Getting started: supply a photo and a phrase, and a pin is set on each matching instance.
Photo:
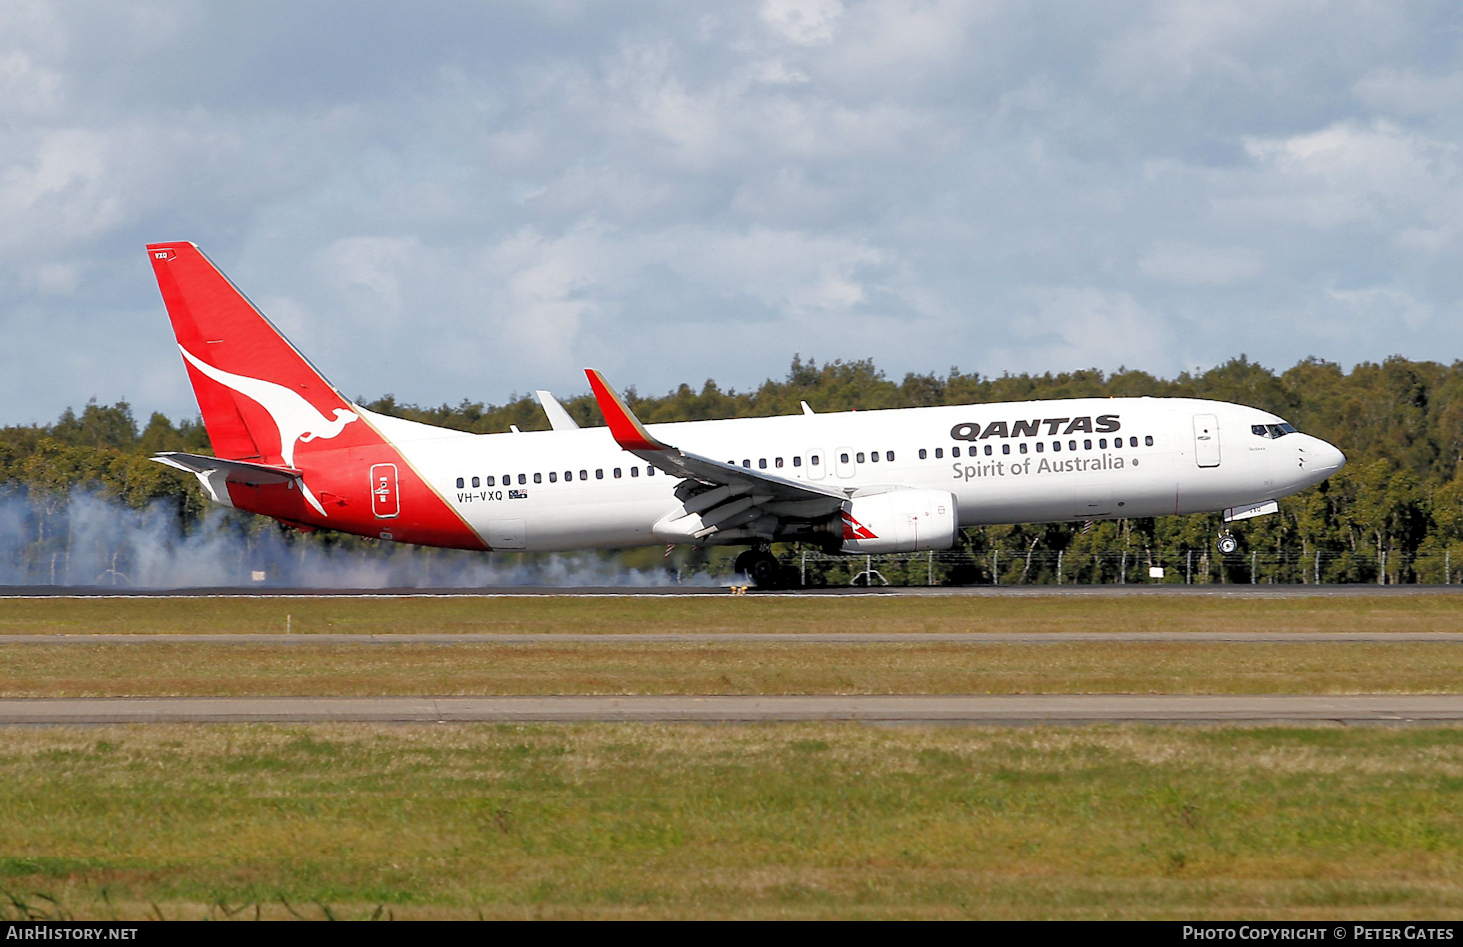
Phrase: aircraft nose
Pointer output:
(1323, 457)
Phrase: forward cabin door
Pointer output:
(1206, 440)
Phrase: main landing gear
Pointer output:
(760, 566)
(1227, 543)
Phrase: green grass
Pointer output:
(813, 820)
(769, 821)
(163, 670)
(601, 614)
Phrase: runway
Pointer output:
(831, 638)
(1057, 709)
(977, 591)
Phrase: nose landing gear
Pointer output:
(1227, 543)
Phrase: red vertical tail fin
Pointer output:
(259, 396)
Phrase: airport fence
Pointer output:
(1182, 566)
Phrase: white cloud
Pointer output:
(1378, 307)
(1068, 328)
(805, 22)
(468, 201)
(1350, 172)
(1193, 265)
(1408, 92)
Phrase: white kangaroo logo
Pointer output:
(294, 417)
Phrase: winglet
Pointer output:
(629, 433)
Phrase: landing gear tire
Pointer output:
(760, 567)
(1227, 543)
(764, 570)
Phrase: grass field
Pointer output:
(805, 820)
(696, 821)
(719, 668)
(894, 614)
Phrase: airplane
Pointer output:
(289, 445)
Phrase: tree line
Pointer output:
(1393, 514)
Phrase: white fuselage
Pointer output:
(1131, 457)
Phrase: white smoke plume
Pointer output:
(87, 539)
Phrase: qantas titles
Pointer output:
(1106, 424)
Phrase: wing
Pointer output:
(734, 503)
(631, 435)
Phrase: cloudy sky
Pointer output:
(449, 200)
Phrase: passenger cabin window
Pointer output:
(874, 456)
(922, 455)
(1071, 445)
(777, 462)
(889, 456)
(492, 480)
(583, 475)
(1102, 443)
(650, 471)
(761, 463)
(617, 473)
(814, 460)
(599, 474)
(797, 461)
(475, 481)
(746, 463)
(538, 478)
(1132, 442)
(634, 471)
(859, 457)
(1005, 448)
(568, 476)
(553, 477)
(843, 458)
(1148, 441)
(1087, 444)
(1038, 446)
(954, 452)
(988, 450)
(1023, 447)
(939, 453)
(460, 484)
(523, 478)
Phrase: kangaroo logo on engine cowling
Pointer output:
(1105, 424)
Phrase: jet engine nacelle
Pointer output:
(900, 521)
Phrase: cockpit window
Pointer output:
(1271, 430)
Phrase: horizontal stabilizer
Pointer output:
(559, 419)
(234, 471)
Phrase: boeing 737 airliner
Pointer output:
(290, 446)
